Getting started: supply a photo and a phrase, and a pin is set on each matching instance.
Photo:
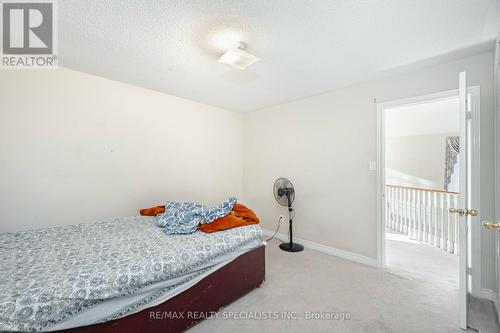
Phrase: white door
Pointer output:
(465, 211)
(494, 224)
(497, 171)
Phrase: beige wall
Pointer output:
(323, 144)
(79, 148)
(421, 156)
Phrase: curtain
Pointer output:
(452, 151)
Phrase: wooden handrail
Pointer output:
(422, 189)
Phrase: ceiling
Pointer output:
(436, 117)
(307, 47)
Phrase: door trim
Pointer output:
(496, 73)
(475, 282)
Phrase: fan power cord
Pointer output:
(277, 228)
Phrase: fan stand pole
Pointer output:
(291, 246)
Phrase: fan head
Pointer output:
(283, 191)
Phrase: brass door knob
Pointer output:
(471, 212)
(490, 225)
(462, 212)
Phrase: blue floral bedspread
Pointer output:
(184, 217)
(50, 275)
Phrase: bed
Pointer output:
(123, 275)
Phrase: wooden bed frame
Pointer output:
(208, 296)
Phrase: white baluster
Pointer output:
(393, 211)
(400, 206)
(424, 214)
(405, 211)
(435, 240)
(396, 215)
(414, 213)
(441, 219)
(446, 206)
(393, 215)
(430, 226)
(386, 203)
(449, 247)
(408, 211)
(432, 221)
(425, 230)
(427, 217)
(391, 224)
(400, 209)
(396, 208)
(421, 215)
(389, 207)
(457, 220)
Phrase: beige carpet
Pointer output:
(399, 299)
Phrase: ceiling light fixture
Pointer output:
(237, 58)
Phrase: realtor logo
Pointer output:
(29, 36)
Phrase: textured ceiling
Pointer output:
(307, 47)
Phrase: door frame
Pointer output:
(475, 234)
(496, 73)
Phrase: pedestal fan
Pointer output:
(285, 194)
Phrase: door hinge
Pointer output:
(469, 270)
(468, 103)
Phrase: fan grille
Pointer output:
(283, 184)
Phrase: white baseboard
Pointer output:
(327, 249)
(488, 294)
(497, 307)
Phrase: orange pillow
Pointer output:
(240, 216)
(153, 211)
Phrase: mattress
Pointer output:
(64, 277)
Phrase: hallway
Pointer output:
(412, 259)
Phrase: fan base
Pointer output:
(294, 247)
